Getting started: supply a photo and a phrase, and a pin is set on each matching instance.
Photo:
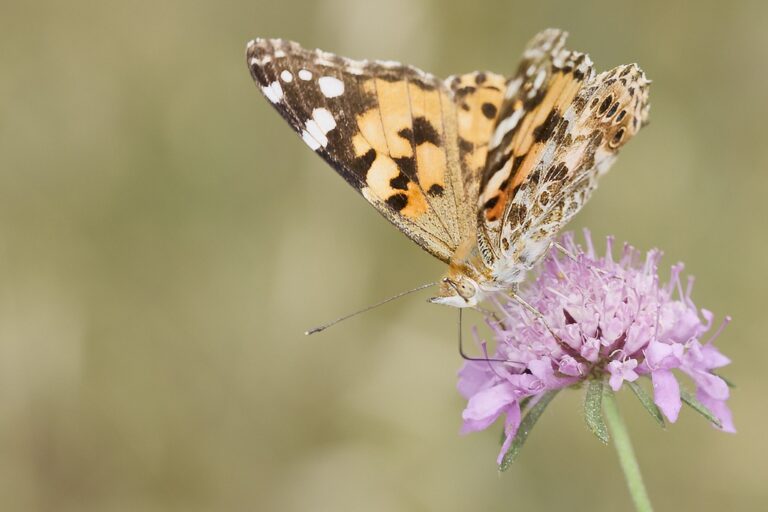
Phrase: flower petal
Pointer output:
(720, 409)
(486, 406)
(663, 356)
(712, 358)
(666, 393)
(473, 377)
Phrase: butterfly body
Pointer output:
(479, 170)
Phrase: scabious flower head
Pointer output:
(600, 318)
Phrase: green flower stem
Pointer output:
(626, 455)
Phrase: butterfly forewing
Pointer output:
(390, 130)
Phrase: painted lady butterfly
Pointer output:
(480, 170)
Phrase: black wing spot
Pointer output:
(469, 89)
(362, 163)
(612, 111)
(435, 190)
(406, 164)
(480, 78)
(605, 104)
(491, 202)
(406, 133)
(616, 140)
(620, 116)
(399, 182)
(423, 131)
(517, 162)
(398, 201)
(489, 110)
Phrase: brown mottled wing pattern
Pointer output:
(390, 130)
(563, 153)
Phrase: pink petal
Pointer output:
(486, 406)
(666, 393)
(712, 385)
(663, 356)
(712, 357)
(720, 409)
(473, 377)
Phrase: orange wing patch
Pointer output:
(405, 129)
(478, 96)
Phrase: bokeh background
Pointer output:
(165, 239)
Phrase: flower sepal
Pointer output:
(514, 443)
(593, 409)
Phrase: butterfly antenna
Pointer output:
(373, 306)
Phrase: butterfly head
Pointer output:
(458, 290)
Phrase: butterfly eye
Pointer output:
(617, 138)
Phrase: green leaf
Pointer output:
(647, 402)
(699, 407)
(593, 410)
(728, 382)
(526, 425)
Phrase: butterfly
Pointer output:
(480, 170)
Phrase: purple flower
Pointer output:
(599, 318)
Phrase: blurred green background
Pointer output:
(165, 239)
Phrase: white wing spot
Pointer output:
(310, 141)
(273, 92)
(316, 133)
(317, 128)
(286, 75)
(513, 87)
(305, 74)
(330, 86)
(505, 126)
(324, 119)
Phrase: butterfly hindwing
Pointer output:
(547, 81)
(580, 145)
